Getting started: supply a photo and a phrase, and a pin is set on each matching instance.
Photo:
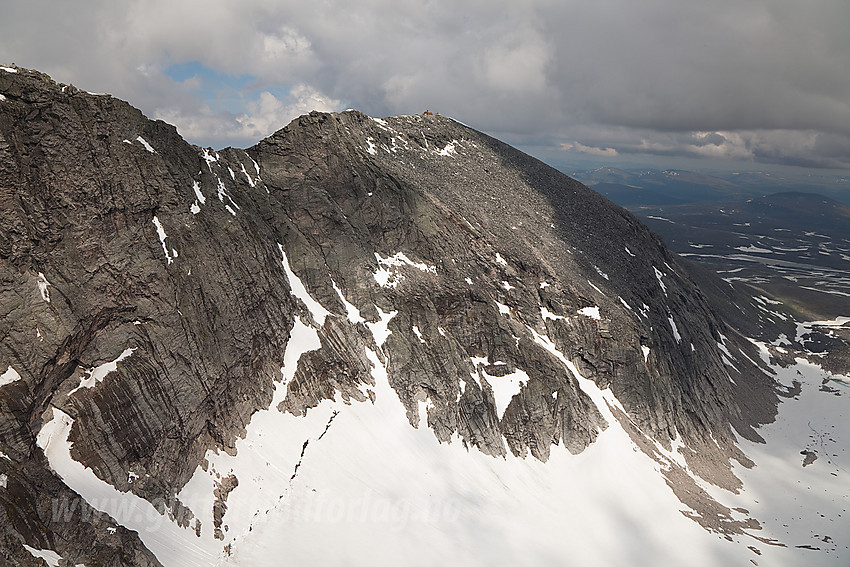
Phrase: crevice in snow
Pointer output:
(328, 426)
(300, 458)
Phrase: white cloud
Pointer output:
(286, 41)
(516, 64)
(264, 116)
(658, 71)
(269, 113)
(808, 148)
(592, 150)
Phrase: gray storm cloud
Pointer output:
(765, 80)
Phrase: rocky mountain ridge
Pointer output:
(151, 290)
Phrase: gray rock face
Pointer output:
(117, 235)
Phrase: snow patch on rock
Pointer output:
(592, 312)
(10, 376)
(97, 374)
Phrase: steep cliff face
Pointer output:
(498, 251)
(151, 291)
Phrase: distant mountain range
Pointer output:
(653, 187)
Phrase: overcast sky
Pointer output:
(725, 81)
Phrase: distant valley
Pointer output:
(783, 239)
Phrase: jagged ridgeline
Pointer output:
(153, 291)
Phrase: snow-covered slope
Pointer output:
(353, 483)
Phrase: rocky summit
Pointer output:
(361, 336)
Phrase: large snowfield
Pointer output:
(355, 484)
